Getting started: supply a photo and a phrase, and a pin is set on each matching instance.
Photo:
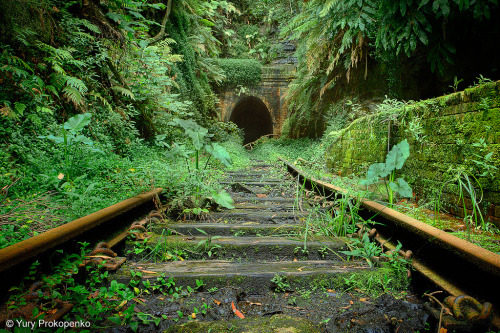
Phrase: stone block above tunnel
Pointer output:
(253, 116)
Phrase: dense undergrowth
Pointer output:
(130, 79)
(378, 183)
(132, 69)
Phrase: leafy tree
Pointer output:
(336, 38)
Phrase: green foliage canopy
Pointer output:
(336, 38)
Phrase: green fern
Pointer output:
(58, 80)
(103, 100)
(73, 95)
(76, 83)
(124, 92)
(88, 25)
(328, 6)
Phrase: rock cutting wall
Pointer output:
(446, 134)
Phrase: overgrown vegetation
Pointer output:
(245, 72)
(91, 100)
(98, 303)
(341, 43)
(102, 100)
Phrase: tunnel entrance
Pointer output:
(252, 115)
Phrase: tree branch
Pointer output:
(161, 34)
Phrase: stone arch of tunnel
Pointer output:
(253, 116)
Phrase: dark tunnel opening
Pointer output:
(252, 115)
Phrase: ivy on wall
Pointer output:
(246, 72)
(192, 83)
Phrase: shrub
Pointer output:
(240, 71)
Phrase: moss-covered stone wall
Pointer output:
(446, 134)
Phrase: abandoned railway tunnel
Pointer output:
(261, 109)
(252, 115)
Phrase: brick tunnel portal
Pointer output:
(252, 115)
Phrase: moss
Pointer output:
(276, 324)
(450, 126)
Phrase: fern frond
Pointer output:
(167, 41)
(175, 58)
(124, 92)
(52, 89)
(328, 85)
(24, 35)
(63, 54)
(73, 95)
(328, 6)
(92, 27)
(76, 83)
(57, 80)
(56, 66)
(103, 100)
(15, 71)
(82, 35)
(78, 63)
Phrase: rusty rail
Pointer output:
(454, 264)
(20, 252)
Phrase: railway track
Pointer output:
(258, 261)
(454, 265)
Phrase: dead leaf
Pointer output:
(330, 290)
(139, 300)
(216, 301)
(121, 305)
(259, 195)
(364, 299)
(300, 268)
(94, 294)
(102, 257)
(351, 302)
(60, 176)
(443, 330)
(148, 272)
(237, 312)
